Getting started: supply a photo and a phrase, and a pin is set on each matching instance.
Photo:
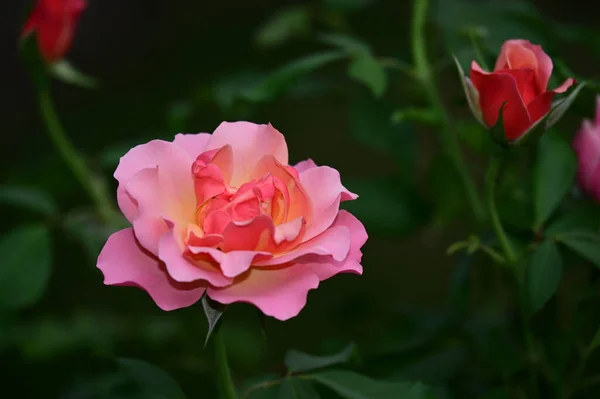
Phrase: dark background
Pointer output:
(161, 67)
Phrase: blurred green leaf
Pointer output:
(543, 274)
(280, 80)
(436, 367)
(213, 311)
(441, 181)
(493, 22)
(350, 44)
(370, 125)
(91, 232)
(351, 385)
(475, 136)
(387, 206)
(66, 72)
(585, 244)
(295, 388)
(595, 342)
(26, 266)
(365, 69)
(150, 379)
(554, 171)
(560, 108)
(347, 5)
(581, 217)
(285, 24)
(426, 116)
(297, 361)
(178, 115)
(30, 198)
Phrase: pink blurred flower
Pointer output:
(54, 23)
(587, 147)
(225, 214)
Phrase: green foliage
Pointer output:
(543, 274)
(26, 266)
(553, 175)
(297, 361)
(351, 385)
(296, 388)
(585, 244)
(29, 198)
(152, 381)
(213, 312)
(366, 69)
(286, 24)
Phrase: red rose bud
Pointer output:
(516, 89)
(54, 22)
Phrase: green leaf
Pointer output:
(30, 198)
(89, 230)
(581, 217)
(585, 244)
(286, 24)
(365, 69)
(387, 206)
(543, 274)
(151, 379)
(370, 124)
(64, 71)
(213, 311)
(351, 385)
(26, 266)
(470, 93)
(555, 169)
(562, 106)
(297, 361)
(280, 80)
(295, 388)
(347, 5)
(344, 42)
(595, 342)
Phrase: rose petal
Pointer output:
(277, 292)
(124, 262)
(174, 164)
(324, 190)
(494, 90)
(184, 269)
(249, 142)
(544, 70)
(304, 165)
(193, 144)
(334, 242)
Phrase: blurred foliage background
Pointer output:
(335, 77)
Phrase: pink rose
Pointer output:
(587, 147)
(224, 214)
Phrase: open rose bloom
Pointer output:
(520, 82)
(224, 214)
(587, 147)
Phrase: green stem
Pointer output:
(490, 182)
(449, 140)
(93, 186)
(224, 380)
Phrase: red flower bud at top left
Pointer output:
(54, 22)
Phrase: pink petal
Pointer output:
(277, 292)
(249, 142)
(587, 146)
(185, 269)
(233, 263)
(124, 262)
(173, 162)
(544, 69)
(324, 190)
(326, 267)
(565, 86)
(303, 165)
(597, 119)
(334, 242)
(193, 144)
(288, 231)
